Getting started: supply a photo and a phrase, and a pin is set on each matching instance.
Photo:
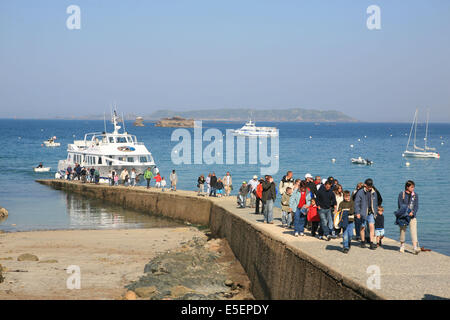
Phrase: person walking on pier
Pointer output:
(366, 204)
(326, 201)
(286, 210)
(227, 183)
(133, 177)
(408, 202)
(91, 173)
(347, 207)
(213, 183)
(148, 175)
(379, 225)
(163, 184)
(173, 181)
(268, 198)
(258, 193)
(208, 183)
(68, 172)
(252, 188)
(201, 185)
(302, 209)
(158, 180)
(242, 196)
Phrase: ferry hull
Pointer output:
(427, 155)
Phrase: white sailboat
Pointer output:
(417, 152)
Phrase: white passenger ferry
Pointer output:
(108, 151)
(251, 130)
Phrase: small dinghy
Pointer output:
(51, 142)
(360, 160)
(42, 169)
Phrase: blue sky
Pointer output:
(181, 55)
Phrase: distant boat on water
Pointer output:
(418, 152)
(251, 130)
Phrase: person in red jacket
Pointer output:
(259, 190)
(158, 180)
(313, 217)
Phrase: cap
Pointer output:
(255, 177)
(244, 182)
(308, 175)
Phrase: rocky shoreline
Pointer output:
(199, 270)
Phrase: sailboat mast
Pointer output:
(415, 131)
(410, 132)
(426, 130)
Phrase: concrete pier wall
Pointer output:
(276, 269)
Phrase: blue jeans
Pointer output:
(299, 220)
(268, 211)
(213, 190)
(286, 218)
(325, 218)
(348, 234)
(357, 226)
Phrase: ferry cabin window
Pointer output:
(121, 140)
(130, 159)
(111, 139)
(99, 160)
(143, 159)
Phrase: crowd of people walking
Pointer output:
(323, 207)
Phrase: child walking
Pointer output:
(379, 225)
(348, 217)
(313, 217)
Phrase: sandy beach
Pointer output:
(108, 260)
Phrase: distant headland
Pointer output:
(239, 115)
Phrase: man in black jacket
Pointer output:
(326, 201)
(268, 198)
(213, 184)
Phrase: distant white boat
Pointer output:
(417, 152)
(361, 160)
(42, 169)
(51, 142)
(251, 130)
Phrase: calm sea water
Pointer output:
(33, 206)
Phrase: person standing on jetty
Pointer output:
(268, 197)
(325, 203)
(228, 184)
(286, 210)
(68, 172)
(148, 175)
(173, 181)
(302, 209)
(201, 185)
(366, 204)
(92, 172)
(213, 183)
(259, 192)
(133, 177)
(379, 225)
(408, 203)
(158, 180)
(163, 184)
(252, 188)
(242, 196)
(208, 183)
